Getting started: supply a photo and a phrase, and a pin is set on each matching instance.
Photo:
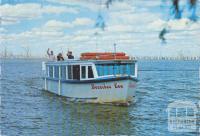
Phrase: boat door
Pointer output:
(86, 72)
(76, 72)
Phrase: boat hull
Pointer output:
(120, 92)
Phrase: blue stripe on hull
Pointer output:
(94, 80)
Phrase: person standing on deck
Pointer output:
(60, 57)
(50, 54)
(69, 55)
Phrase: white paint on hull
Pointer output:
(119, 92)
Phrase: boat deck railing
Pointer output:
(89, 61)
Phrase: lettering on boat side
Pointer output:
(118, 85)
(101, 86)
(104, 86)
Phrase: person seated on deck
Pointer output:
(69, 55)
(60, 57)
(50, 54)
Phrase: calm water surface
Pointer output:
(26, 110)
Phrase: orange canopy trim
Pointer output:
(102, 53)
(104, 56)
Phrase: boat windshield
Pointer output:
(70, 72)
(115, 69)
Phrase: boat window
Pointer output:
(101, 73)
(124, 69)
(83, 72)
(128, 69)
(116, 69)
(63, 72)
(98, 67)
(47, 71)
(56, 71)
(90, 72)
(51, 71)
(105, 70)
(132, 69)
(76, 72)
(110, 69)
(69, 67)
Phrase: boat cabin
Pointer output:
(87, 70)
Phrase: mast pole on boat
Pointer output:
(96, 33)
(115, 49)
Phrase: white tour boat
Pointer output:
(94, 78)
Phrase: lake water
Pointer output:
(27, 110)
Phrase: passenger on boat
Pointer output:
(60, 57)
(69, 55)
(50, 54)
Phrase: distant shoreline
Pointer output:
(137, 58)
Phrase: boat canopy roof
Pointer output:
(73, 61)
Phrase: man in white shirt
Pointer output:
(50, 54)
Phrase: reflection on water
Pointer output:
(89, 119)
(27, 110)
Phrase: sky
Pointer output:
(62, 25)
